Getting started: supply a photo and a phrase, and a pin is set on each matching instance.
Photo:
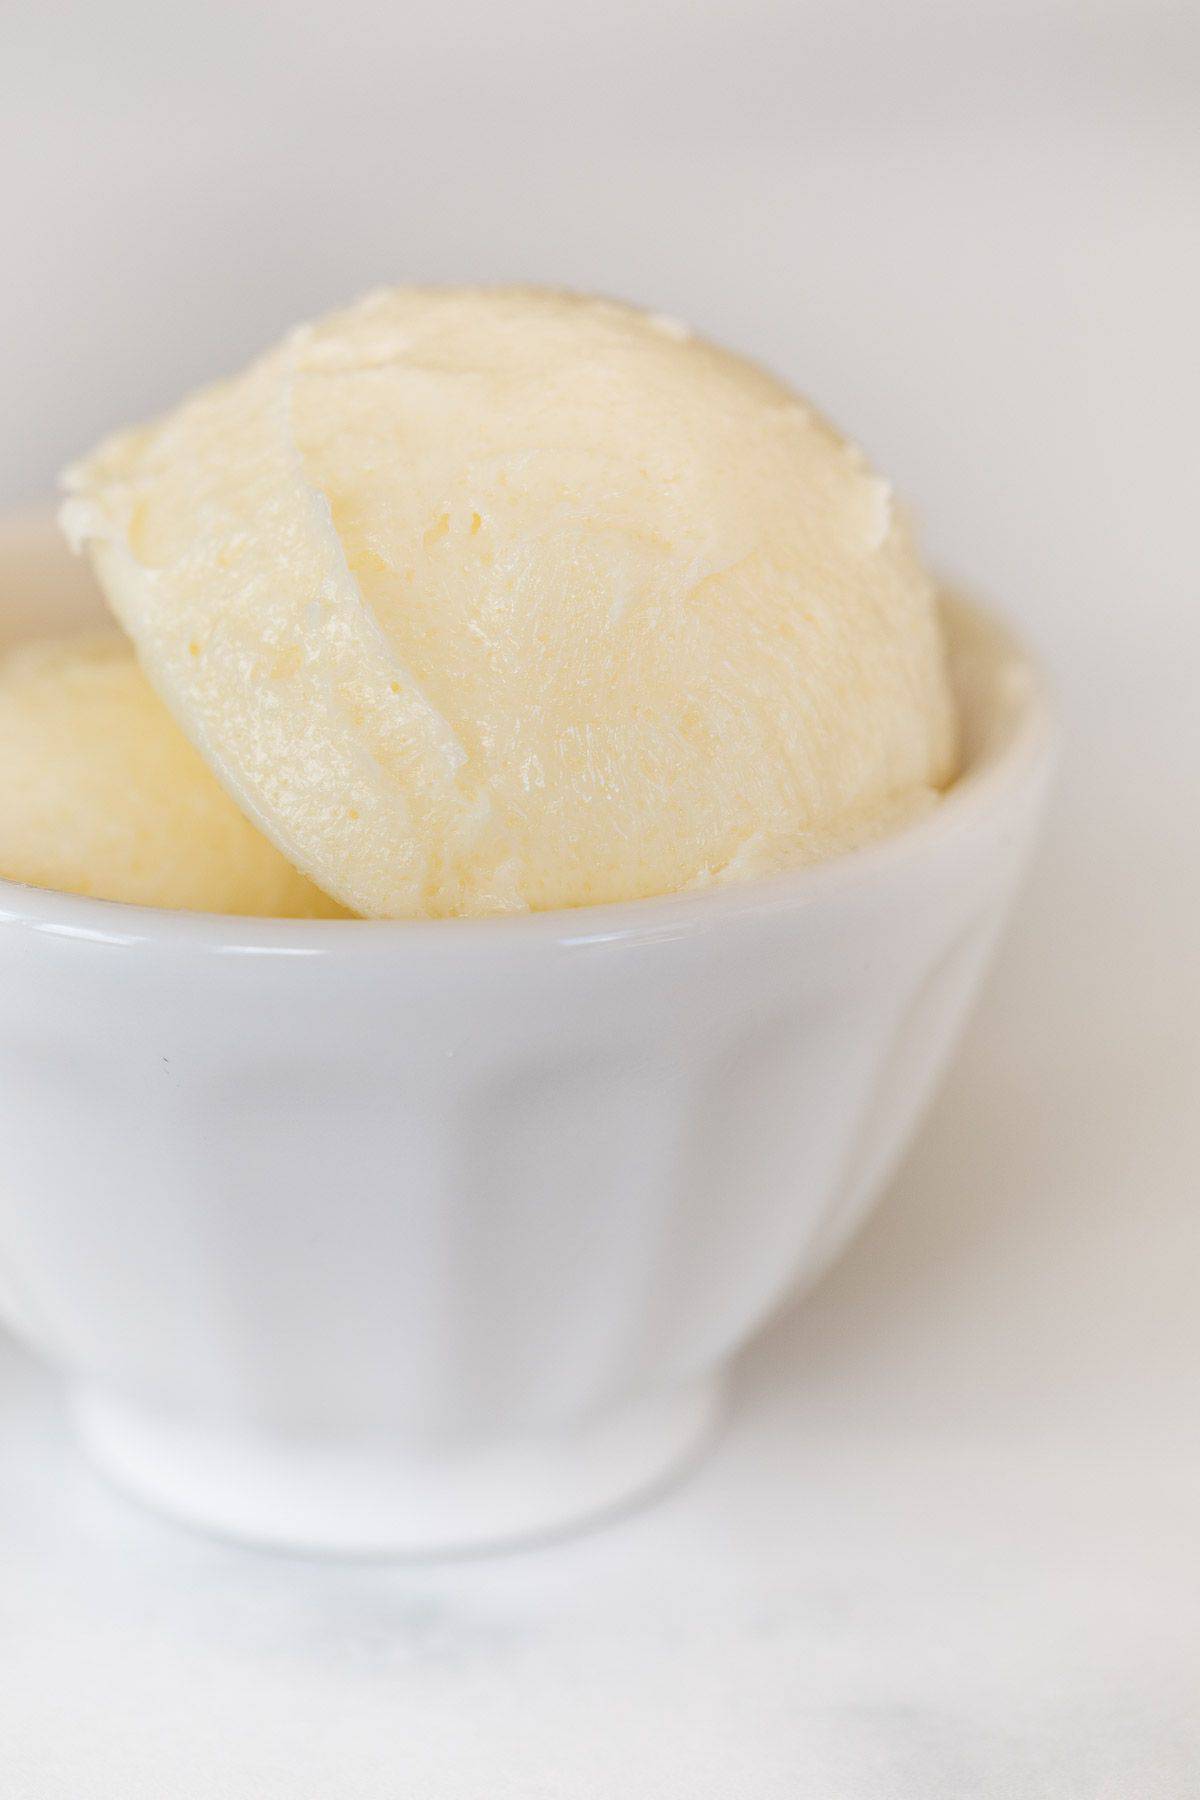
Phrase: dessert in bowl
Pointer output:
(421, 1232)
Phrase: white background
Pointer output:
(950, 1546)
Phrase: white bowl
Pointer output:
(423, 1236)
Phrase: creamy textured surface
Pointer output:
(103, 795)
(484, 600)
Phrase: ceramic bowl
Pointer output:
(415, 1237)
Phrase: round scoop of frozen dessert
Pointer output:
(103, 795)
(485, 600)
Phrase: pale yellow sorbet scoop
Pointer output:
(103, 795)
(484, 600)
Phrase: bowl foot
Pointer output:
(385, 1498)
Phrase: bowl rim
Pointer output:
(996, 776)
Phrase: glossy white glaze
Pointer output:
(450, 1209)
